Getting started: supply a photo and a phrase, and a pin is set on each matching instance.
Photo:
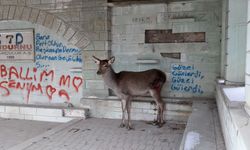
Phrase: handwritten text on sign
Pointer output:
(48, 49)
(185, 78)
(17, 45)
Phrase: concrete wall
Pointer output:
(176, 110)
(90, 27)
(236, 41)
(128, 44)
(79, 25)
(247, 72)
(51, 53)
(234, 122)
(224, 32)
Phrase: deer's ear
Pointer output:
(96, 60)
(112, 60)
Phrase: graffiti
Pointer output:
(41, 65)
(30, 80)
(142, 20)
(185, 78)
(48, 49)
(59, 58)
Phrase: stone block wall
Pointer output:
(129, 25)
(82, 24)
(49, 114)
(94, 28)
(176, 110)
(102, 31)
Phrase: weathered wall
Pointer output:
(194, 74)
(236, 42)
(92, 28)
(61, 84)
(77, 29)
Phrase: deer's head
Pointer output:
(104, 65)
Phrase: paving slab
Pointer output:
(105, 134)
(15, 131)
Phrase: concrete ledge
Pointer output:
(231, 104)
(143, 108)
(42, 113)
(177, 100)
(234, 122)
(201, 131)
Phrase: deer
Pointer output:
(128, 84)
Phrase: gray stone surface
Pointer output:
(14, 131)
(235, 123)
(104, 134)
(142, 108)
(203, 130)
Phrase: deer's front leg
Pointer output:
(128, 106)
(123, 103)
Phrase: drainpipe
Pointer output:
(247, 76)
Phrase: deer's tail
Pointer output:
(159, 81)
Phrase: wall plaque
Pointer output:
(166, 36)
(17, 45)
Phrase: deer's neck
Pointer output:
(110, 78)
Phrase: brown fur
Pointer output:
(127, 84)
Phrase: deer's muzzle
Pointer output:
(98, 72)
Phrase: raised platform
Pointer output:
(143, 108)
(203, 129)
(234, 120)
(42, 113)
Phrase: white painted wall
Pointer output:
(247, 70)
(128, 43)
(236, 42)
(52, 53)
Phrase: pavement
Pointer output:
(203, 129)
(14, 132)
(202, 132)
(105, 134)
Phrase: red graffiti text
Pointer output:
(30, 80)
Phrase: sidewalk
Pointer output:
(15, 131)
(105, 134)
(203, 131)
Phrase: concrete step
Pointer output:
(42, 113)
(203, 131)
(143, 108)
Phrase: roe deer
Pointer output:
(127, 84)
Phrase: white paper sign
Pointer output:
(17, 45)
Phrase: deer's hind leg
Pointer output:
(156, 94)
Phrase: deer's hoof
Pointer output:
(160, 124)
(122, 125)
(155, 123)
(130, 128)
